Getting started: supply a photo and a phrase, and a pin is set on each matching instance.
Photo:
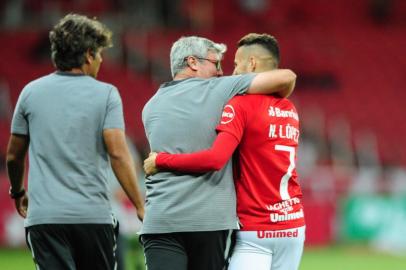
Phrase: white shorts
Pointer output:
(268, 250)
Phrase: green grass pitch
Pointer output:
(331, 258)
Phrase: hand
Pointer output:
(21, 205)
(140, 213)
(150, 165)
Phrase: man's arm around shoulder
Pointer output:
(278, 81)
(123, 167)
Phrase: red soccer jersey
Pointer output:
(268, 192)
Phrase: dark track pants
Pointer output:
(73, 246)
(187, 250)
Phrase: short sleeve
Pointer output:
(229, 86)
(114, 111)
(19, 123)
(233, 118)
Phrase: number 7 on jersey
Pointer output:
(283, 189)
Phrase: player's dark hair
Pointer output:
(268, 42)
(73, 36)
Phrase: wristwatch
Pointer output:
(16, 195)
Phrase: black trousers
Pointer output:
(73, 246)
(187, 250)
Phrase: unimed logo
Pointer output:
(278, 234)
(228, 114)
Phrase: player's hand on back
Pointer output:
(150, 165)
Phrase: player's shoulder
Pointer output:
(108, 89)
(238, 101)
(102, 84)
(36, 84)
(238, 98)
(256, 102)
(283, 102)
(245, 103)
(39, 81)
(248, 99)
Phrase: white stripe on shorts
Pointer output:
(228, 244)
(32, 250)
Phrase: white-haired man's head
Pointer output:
(202, 49)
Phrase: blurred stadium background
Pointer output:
(350, 59)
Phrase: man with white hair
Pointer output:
(189, 217)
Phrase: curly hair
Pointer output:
(268, 42)
(73, 36)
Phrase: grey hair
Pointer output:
(192, 45)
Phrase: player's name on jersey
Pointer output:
(278, 234)
(275, 111)
(275, 217)
(283, 204)
(284, 132)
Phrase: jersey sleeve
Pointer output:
(212, 159)
(114, 111)
(19, 123)
(234, 118)
(229, 86)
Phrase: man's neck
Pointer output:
(179, 77)
(76, 71)
(185, 74)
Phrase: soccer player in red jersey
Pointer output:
(266, 131)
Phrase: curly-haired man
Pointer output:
(73, 126)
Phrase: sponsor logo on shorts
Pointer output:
(228, 114)
(278, 234)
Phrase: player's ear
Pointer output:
(252, 64)
(192, 63)
(88, 57)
